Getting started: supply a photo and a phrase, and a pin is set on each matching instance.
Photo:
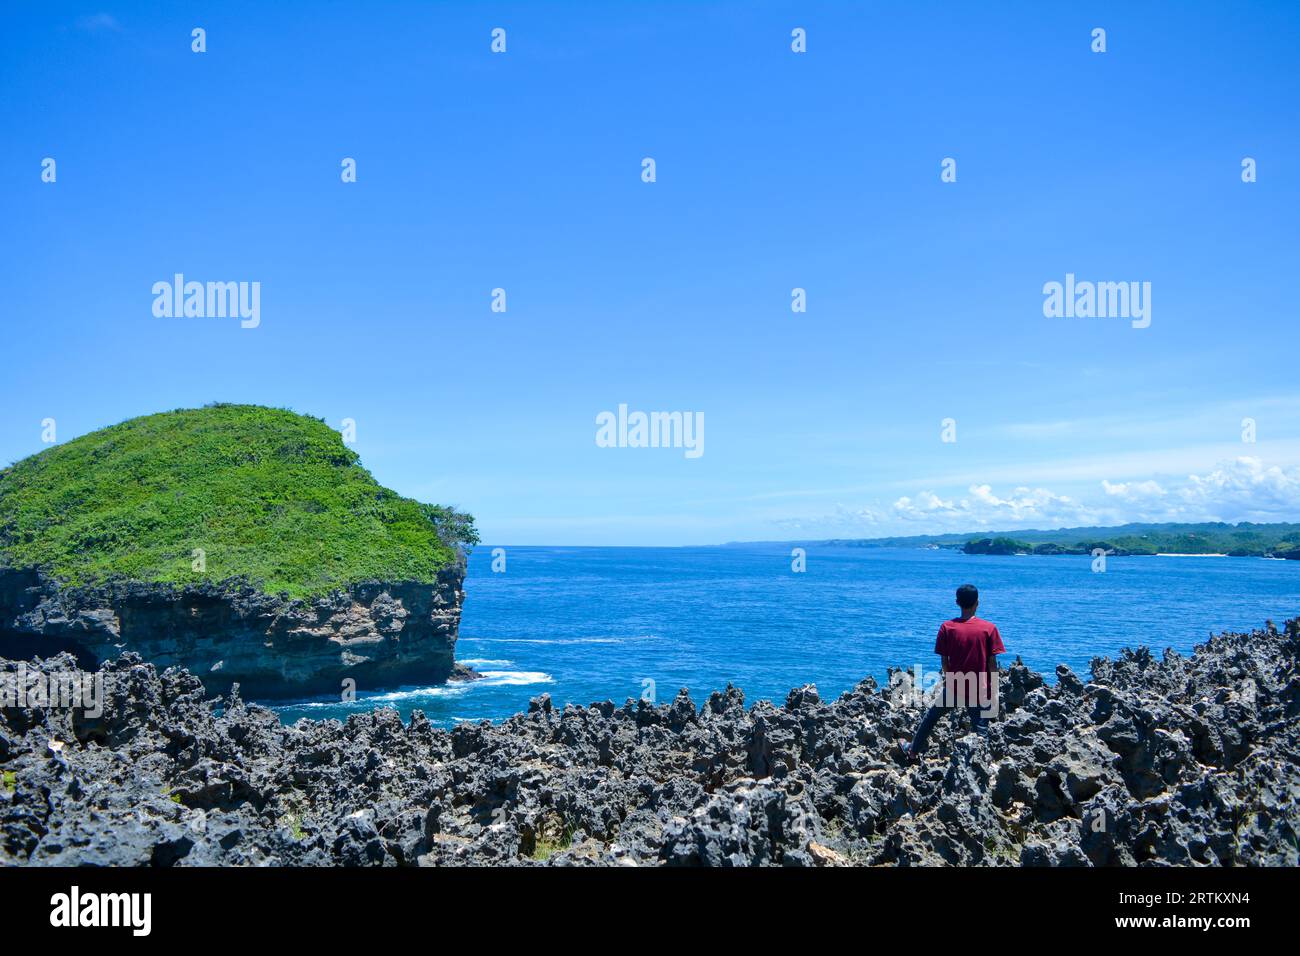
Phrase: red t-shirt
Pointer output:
(967, 644)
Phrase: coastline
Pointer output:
(1149, 761)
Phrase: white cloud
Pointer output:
(926, 505)
(1242, 489)
(97, 22)
(1245, 487)
(1133, 491)
(1097, 467)
(985, 508)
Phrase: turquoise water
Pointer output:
(590, 624)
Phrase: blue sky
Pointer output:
(775, 170)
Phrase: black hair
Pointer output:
(968, 596)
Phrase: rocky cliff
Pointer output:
(246, 544)
(273, 646)
(1154, 760)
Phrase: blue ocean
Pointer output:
(593, 624)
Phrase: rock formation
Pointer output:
(1154, 760)
(246, 544)
(377, 634)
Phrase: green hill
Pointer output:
(266, 494)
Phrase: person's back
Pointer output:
(969, 647)
(967, 643)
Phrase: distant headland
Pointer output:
(1243, 540)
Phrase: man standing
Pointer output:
(969, 647)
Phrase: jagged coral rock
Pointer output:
(1176, 760)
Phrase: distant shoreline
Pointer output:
(1214, 539)
(1244, 539)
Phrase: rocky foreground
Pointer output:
(1182, 761)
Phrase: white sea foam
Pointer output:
(482, 662)
(409, 693)
(368, 701)
(499, 678)
(559, 640)
(457, 689)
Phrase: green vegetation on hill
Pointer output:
(1243, 540)
(262, 493)
(997, 546)
(1246, 539)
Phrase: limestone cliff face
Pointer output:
(378, 634)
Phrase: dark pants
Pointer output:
(978, 722)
